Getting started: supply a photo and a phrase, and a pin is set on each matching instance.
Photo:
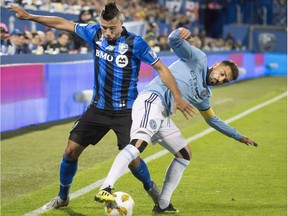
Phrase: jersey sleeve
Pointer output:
(144, 52)
(216, 123)
(86, 31)
(222, 127)
(183, 49)
(203, 105)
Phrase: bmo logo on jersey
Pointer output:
(121, 61)
(103, 55)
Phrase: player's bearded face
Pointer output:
(219, 75)
(111, 29)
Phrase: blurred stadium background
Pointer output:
(41, 88)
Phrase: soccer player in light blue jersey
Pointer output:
(154, 105)
(117, 55)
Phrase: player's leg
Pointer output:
(81, 135)
(172, 179)
(139, 168)
(141, 133)
(121, 162)
(141, 172)
(147, 120)
(121, 125)
(170, 138)
(68, 169)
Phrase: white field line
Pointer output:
(98, 183)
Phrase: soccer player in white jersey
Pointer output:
(151, 110)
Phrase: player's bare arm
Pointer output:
(208, 114)
(51, 21)
(168, 79)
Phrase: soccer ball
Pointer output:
(122, 206)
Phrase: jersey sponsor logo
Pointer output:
(122, 61)
(105, 56)
(194, 85)
(153, 124)
(123, 48)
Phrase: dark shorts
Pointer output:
(95, 123)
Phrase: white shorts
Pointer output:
(151, 123)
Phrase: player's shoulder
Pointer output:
(132, 35)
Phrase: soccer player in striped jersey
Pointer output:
(117, 55)
(151, 110)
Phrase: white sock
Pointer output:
(120, 163)
(172, 178)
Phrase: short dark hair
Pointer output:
(110, 11)
(233, 67)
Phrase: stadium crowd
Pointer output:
(160, 22)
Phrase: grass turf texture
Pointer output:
(224, 178)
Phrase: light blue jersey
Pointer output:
(190, 72)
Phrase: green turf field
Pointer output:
(224, 178)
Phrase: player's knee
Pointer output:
(134, 163)
(139, 144)
(73, 150)
(186, 153)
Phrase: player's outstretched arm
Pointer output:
(225, 129)
(51, 21)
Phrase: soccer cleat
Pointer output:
(168, 210)
(154, 193)
(104, 195)
(56, 203)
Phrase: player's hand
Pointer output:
(184, 33)
(185, 107)
(248, 141)
(20, 13)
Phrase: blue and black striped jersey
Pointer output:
(116, 66)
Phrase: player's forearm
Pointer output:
(222, 127)
(51, 21)
(167, 78)
(54, 22)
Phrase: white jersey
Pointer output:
(190, 73)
